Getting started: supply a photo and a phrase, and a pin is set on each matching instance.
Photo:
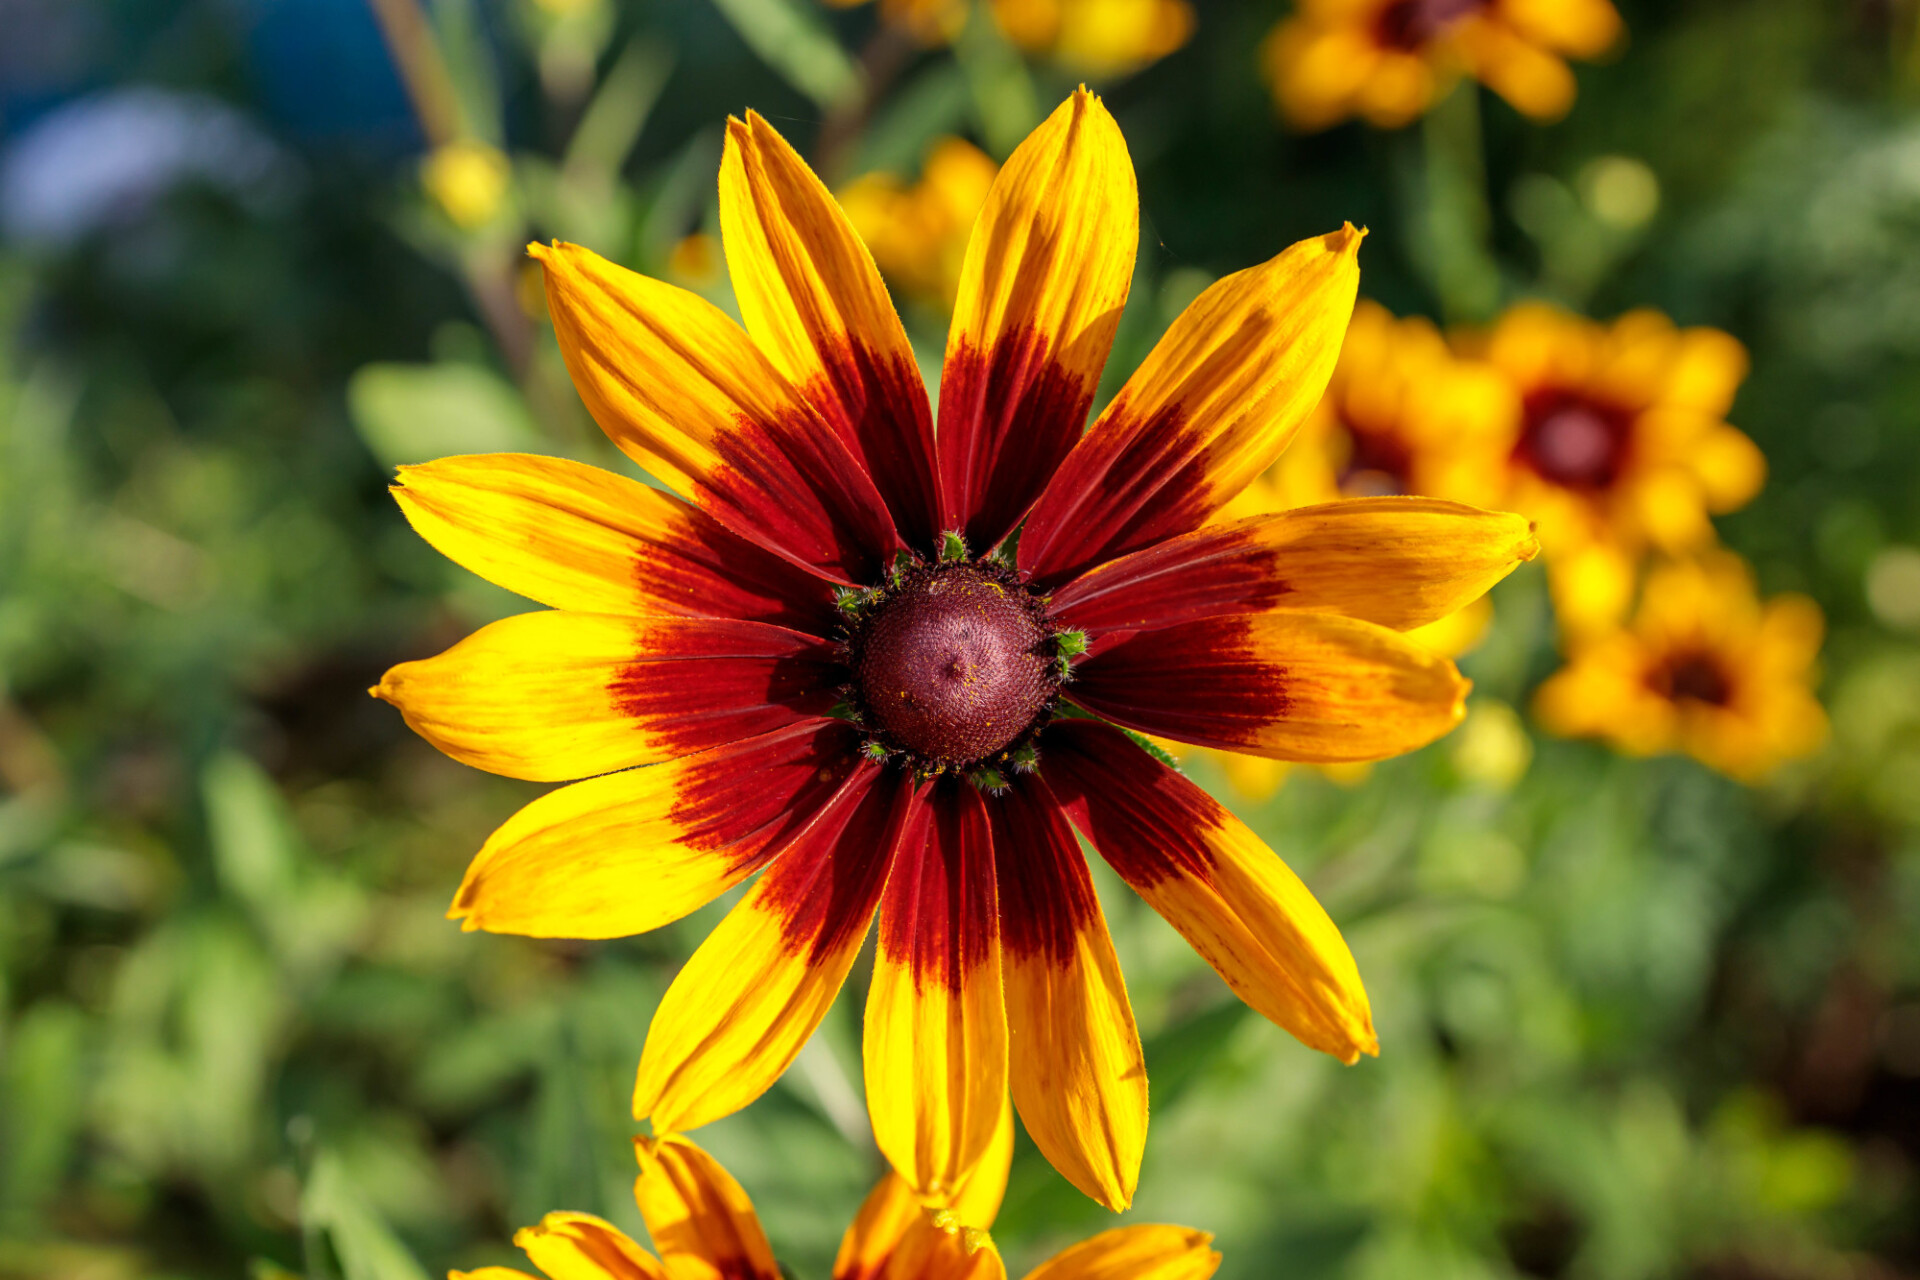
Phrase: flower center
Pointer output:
(1573, 442)
(1697, 676)
(952, 663)
(1378, 465)
(1408, 24)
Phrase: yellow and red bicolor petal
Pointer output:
(579, 1246)
(557, 695)
(1211, 407)
(754, 991)
(1045, 278)
(1397, 562)
(1147, 1252)
(935, 1043)
(683, 391)
(1286, 685)
(699, 1217)
(630, 851)
(813, 300)
(577, 537)
(1079, 1078)
(1229, 895)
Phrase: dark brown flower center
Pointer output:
(952, 663)
(1408, 24)
(1572, 441)
(1698, 676)
(1378, 466)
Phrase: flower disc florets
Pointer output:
(954, 665)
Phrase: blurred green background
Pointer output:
(1637, 1020)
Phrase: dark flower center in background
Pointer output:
(1698, 676)
(1572, 441)
(952, 663)
(1408, 24)
(1377, 466)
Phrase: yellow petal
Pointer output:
(1306, 687)
(1046, 275)
(1196, 864)
(685, 392)
(1210, 409)
(1398, 562)
(579, 1246)
(576, 537)
(754, 991)
(935, 1044)
(700, 1220)
(1148, 1252)
(553, 696)
(891, 1210)
(1079, 1078)
(631, 851)
(813, 300)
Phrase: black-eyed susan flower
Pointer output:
(843, 676)
(918, 232)
(1615, 441)
(1704, 667)
(1387, 61)
(704, 1226)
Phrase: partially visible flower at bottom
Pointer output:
(703, 1224)
(1705, 667)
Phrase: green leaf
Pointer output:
(790, 38)
(332, 1208)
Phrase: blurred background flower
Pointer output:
(1648, 996)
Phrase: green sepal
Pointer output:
(1152, 748)
(991, 781)
(875, 751)
(1023, 759)
(1070, 644)
(953, 546)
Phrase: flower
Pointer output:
(1614, 440)
(704, 1225)
(843, 675)
(1399, 414)
(1704, 668)
(1394, 420)
(1389, 60)
(1096, 37)
(918, 234)
(468, 180)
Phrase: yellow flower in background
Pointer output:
(918, 233)
(928, 21)
(1387, 61)
(1615, 441)
(1395, 420)
(704, 1225)
(1097, 37)
(1705, 667)
(468, 180)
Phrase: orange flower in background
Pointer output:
(1705, 667)
(704, 1226)
(1614, 442)
(928, 21)
(1096, 37)
(844, 677)
(918, 234)
(1387, 61)
(1400, 416)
